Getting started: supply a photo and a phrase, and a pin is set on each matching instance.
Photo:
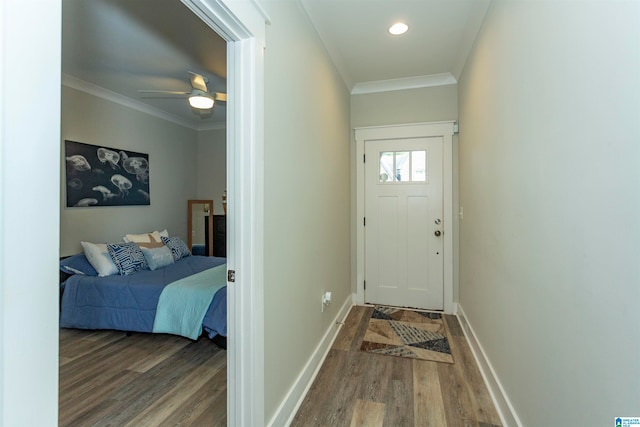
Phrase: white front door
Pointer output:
(403, 224)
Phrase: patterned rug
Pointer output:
(407, 333)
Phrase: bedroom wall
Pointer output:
(306, 193)
(430, 104)
(550, 185)
(172, 153)
(212, 167)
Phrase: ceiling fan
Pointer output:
(199, 98)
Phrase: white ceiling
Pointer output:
(112, 48)
(433, 51)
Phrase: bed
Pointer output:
(190, 291)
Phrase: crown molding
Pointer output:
(331, 50)
(416, 82)
(212, 126)
(100, 92)
(261, 10)
(472, 28)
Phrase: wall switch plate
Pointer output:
(326, 300)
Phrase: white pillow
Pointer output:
(159, 234)
(137, 238)
(146, 237)
(98, 256)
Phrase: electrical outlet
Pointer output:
(326, 300)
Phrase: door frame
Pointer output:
(242, 26)
(412, 130)
(35, 360)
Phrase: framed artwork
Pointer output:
(104, 176)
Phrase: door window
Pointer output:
(403, 166)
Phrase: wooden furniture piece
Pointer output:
(219, 234)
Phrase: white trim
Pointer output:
(414, 130)
(506, 411)
(211, 126)
(472, 27)
(258, 6)
(243, 27)
(416, 82)
(30, 64)
(456, 308)
(403, 126)
(334, 53)
(287, 410)
(100, 92)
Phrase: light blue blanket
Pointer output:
(184, 303)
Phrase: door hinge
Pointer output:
(364, 158)
(231, 276)
(364, 221)
(365, 284)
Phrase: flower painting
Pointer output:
(104, 176)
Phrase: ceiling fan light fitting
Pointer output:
(398, 28)
(201, 102)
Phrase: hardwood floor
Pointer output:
(355, 388)
(110, 379)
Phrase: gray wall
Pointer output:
(212, 167)
(550, 185)
(306, 192)
(172, 153)
(431, 104)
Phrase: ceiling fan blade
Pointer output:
(220, 97)
(198, 81)
(165, 92)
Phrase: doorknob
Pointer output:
(437, 233)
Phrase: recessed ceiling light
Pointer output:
(399, 28)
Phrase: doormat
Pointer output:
(407, 333)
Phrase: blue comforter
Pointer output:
(128, 303)
(183, 304)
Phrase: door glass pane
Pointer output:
(403, 166)
(386, 166)
(418, 166)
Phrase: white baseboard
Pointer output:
(291, 403)
(455, 309)
(505, 409)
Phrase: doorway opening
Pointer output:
(242, 28)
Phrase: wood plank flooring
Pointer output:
(110, 379)
(355, 388)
